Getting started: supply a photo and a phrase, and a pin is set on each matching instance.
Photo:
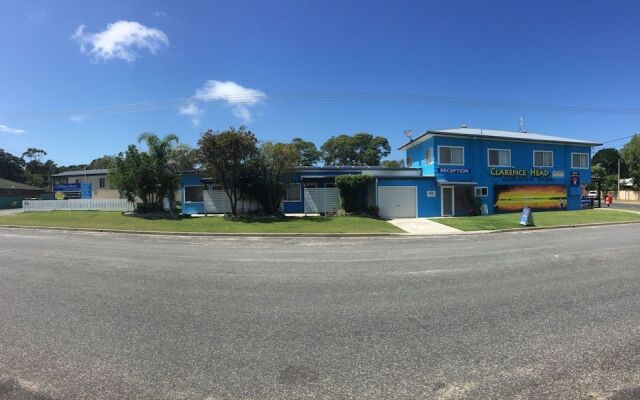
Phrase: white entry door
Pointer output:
(447, 195)
(397, 201)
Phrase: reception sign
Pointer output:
(510, 198)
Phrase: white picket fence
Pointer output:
(321, 200)
(78, 205)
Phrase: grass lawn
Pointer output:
(542, 218)
(115, 220)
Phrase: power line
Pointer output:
(360, 97)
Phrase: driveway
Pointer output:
(534, 315)
(423, 226)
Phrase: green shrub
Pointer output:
(353, 192)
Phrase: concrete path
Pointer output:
(423, 226)
(9, 211)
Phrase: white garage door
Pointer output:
(397, 201)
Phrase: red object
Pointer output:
(608, 199)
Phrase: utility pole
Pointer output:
(618, 192)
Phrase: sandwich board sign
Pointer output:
(526, 218)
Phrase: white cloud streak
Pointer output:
(240, 99)
(192, 110)
(77, 118)
(120, 40)
(13, 131)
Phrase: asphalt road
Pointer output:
(546, 314)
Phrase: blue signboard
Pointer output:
(575, 179)
(66, 187)
(526, 218)
(85, 191)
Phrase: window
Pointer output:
(409, 161)
(329, 185)
(103, 182)
(193, 194)
(482, 191)
(499, 157)
(542, 158)
(77, 180)
(580, 160)
(450, 155)
(428, 156)
(293, 192)
(311, 185)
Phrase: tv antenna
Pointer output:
(521, 123)
(408, 134)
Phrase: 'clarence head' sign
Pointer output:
(535, 173)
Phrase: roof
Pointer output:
(495, 134)
(82, 172)
(350, 167)
(7, 184)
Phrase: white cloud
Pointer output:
(159, 14)
(191, 109)
(77, 118)
(13, 131)
(120, 40)
(240, 98)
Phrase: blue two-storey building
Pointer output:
(450, 172)
(502, 171)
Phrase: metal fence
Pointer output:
(79, 204)
(321, 200)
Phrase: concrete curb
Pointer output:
(540, 228)
(205, 234)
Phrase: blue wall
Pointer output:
(191, 207)
(298, 206)
(476, 167)
(427, 206)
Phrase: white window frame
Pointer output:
(299, 194)
(482, 188)
(426, 159)
(542, 151)
(498, 165)
(452, 147)
(204, 187)
(574, 167)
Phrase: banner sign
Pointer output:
(575, 179)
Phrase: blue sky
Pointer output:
(232, 61)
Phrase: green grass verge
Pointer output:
(115, 220)
(542, 218)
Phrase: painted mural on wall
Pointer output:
(510, 198)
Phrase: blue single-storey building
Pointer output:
(450, 172)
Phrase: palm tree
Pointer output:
(159, 149)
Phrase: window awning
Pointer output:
(456, 183)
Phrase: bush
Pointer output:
(353, 192)
(144, 208)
